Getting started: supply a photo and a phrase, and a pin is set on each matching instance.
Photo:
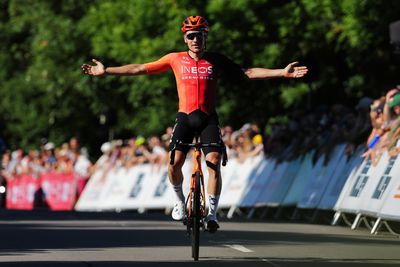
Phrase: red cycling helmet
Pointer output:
(195, 23)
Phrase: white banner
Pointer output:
(354, 190)
(116, 188)
(376, 194)
(92, 194)
(160, 193)
(136, 188)
(391, 206)
(238, 180)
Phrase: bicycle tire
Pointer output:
(196, 218)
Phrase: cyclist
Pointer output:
(196, 71)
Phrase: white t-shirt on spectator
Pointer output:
(82, 166)
(158, 150)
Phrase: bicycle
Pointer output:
(196, 202)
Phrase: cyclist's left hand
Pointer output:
(292, 71)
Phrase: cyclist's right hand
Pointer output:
(97, 70)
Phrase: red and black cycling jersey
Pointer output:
(196, 81)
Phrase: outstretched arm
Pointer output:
(99, 70)
(291, 71)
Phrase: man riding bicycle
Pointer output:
(196, 72)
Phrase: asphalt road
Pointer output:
(130, 239)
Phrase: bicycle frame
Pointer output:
(196, 169)
(196, 201)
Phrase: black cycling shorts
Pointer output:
(187, 126)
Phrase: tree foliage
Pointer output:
(43, 93)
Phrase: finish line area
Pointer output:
(131, 239)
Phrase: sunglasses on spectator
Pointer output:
(191, 36)
(377, 109)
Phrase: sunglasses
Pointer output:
(377, 109)
(197, 35)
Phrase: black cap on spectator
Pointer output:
(364, 103)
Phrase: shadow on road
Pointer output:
(248, 262)
(34, 237)
(24, 233)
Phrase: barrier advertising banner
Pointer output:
(117, 187)
(299, 182)
(352, 194)
(349, 184)
(317, 184)
(138, 186)
(59, 190)
(22, 192)
(92, 194)
(390, 209)
(262, 174)
(238, 179)
(272, 188)
(161, 194)
(339, 177)
(376, 195)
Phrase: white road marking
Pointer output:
(239, 248)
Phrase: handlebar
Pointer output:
(198, 146)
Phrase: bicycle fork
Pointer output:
(197, 174)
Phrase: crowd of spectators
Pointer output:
(373, 124)
(68, 158)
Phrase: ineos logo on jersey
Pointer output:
(196, 70)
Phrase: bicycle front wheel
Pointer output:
(196, 218)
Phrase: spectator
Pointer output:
(158, 154)
(63, 163)
(48, 156)
(73, 149)
(394, 133)
(388, 112)
(83, 169)
(126, 158)
(103, 161)
(35, 165)
(165, 138)
(142, 153)
(5, 162)
(14, 167)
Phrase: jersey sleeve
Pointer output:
(230, 69)
(158, 66)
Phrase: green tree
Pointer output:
(44, 94)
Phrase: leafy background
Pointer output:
(43, 93)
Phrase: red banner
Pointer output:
(22, 191)
(59, 190)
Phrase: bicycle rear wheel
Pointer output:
(196, 218)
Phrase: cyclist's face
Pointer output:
(195, 40)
